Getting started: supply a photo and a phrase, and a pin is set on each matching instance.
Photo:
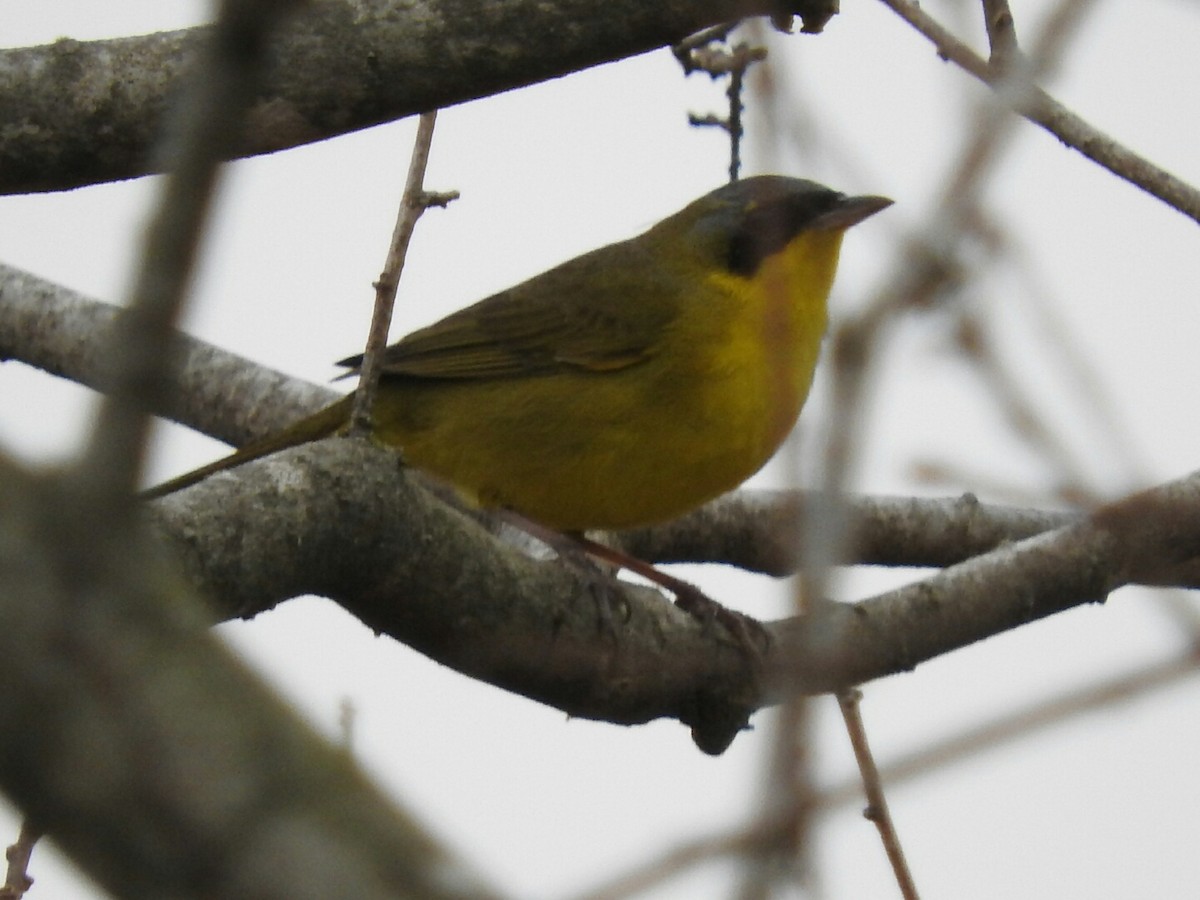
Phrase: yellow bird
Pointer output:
(625, 386)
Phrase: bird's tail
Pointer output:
(320, 424)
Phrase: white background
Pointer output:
(1104, 805)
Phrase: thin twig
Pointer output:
(413, 203)
(924, 761)
(1001, 32)
(877, 808)
(736, 129)
(684, 50)
(702, 53)
(1024, 723)
(1042, 109)
(18, 881)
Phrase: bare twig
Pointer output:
(18, 881)
(734, 93)
(1024, 723)
(877, 807)
(413, 203)
(923, 761)
(1068, 127)
(1001, 32)
(782, 849)
(702, 53)
(685, 50)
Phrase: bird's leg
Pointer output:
(749, 632)
(601, 579)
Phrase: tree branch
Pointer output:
(137, 348)
(1133, 539)
(422, 573)
(80, 113)
(413, 203)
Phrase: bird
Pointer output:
(623, 387)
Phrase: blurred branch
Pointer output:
(1018, 406)
(928, 760)
(1071, 129)
(200, 133)
(1083, 374)
(781, 852)
(218, 393)
(132, 736)
(146, 751)
(929, 269)
(675, 861)
(339, 66)
(1023, 723)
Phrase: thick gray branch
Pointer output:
(1122, 543)
(79, 113)
(341, 519)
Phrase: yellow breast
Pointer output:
(577, 450)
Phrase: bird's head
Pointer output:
(741, 224)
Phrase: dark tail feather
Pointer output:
(320, 424)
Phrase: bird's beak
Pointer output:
(850, 211)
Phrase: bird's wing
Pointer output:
(590, 313)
